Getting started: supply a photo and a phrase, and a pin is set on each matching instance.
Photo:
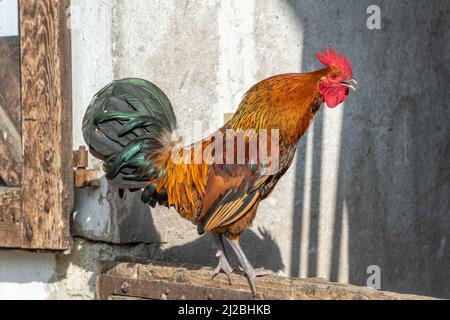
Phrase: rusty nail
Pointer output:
(47, 205)
(48, 156)
(124, 287)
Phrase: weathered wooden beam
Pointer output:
(10, 133)
(10, 217)
(47, 177)
(135, 278)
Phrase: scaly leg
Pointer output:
(246, 266)
(224, 265)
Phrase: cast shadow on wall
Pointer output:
(393, 172)
(260, 248)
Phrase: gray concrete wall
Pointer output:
(370, 184)
(393, 187)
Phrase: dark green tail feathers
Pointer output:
(124, 126)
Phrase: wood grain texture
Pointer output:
(10, 127)
(10, 77)
(47, 183)
(10, 217)
(141, 279)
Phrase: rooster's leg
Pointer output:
(248, 269)
(224, 265)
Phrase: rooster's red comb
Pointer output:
(332, 58)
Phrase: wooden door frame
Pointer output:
(42, 205)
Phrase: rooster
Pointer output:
(130, 125)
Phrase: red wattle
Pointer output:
(334, 97)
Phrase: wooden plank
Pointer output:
(10, 217)
(10, 135)
(10, 75)
(47, 183)
(10, 150)
(116, 288)
(140, 279)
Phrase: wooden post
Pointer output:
(47, 183)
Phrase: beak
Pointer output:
(349, 83)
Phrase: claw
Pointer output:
(261, 272)
(223, 266)
(252, 274)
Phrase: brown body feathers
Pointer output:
(224, 197)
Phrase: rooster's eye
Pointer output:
(333, 76)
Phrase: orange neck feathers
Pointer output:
(283, 102)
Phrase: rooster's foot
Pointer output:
(247, 268)
(223, 266)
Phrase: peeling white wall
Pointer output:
(9, 22)
(25, 275)
(204, 55)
